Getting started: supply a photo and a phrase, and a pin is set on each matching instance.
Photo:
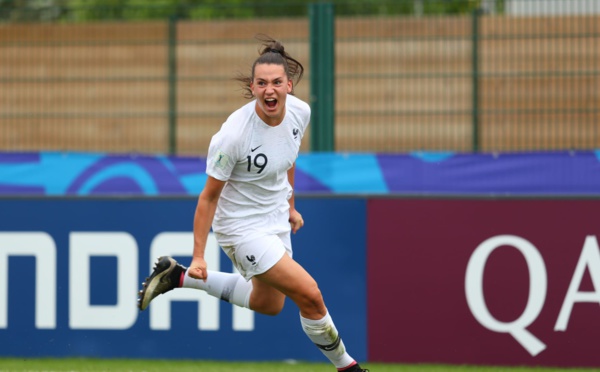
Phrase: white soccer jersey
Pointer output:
(254, 158)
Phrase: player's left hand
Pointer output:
(296, 220)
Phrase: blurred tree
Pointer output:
(30, 10)
(86, 10)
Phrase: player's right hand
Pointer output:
(197, 269)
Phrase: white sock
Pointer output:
(323, 333)
(230, 287)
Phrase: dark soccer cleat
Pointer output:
(165, 276)
(355, 368)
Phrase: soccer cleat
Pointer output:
(355, 368)
(165, 276)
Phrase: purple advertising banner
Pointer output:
(484, 281)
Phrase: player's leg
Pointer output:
(291, 279)
(250, 258)
(168, 275)
(230, 287)
(264, 294)
(265, 299)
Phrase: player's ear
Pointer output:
(290, 86)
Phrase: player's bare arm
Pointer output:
(205, 212)
(296, 220)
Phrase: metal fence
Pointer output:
(501, 80)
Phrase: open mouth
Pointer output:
(271, 102)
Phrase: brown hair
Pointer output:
(272, 52)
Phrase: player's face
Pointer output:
(270, 87)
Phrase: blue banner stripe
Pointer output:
(557, 173)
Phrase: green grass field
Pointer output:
(94, 365)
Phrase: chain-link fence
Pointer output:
(409, 75)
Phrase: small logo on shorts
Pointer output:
(252, 259)
(295, 132)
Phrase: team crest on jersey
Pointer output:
(221, 159)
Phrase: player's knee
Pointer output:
(272, 307)
(311, 301)
(272, 310)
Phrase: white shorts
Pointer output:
(258, 255)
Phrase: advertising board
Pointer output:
(70, 270)
(484, 281)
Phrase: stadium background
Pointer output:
(439, 129)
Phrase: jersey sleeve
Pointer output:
(222, 156)
(306, 120)
(304, 112)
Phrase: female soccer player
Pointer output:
(249, 200)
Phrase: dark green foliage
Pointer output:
(86, 10)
